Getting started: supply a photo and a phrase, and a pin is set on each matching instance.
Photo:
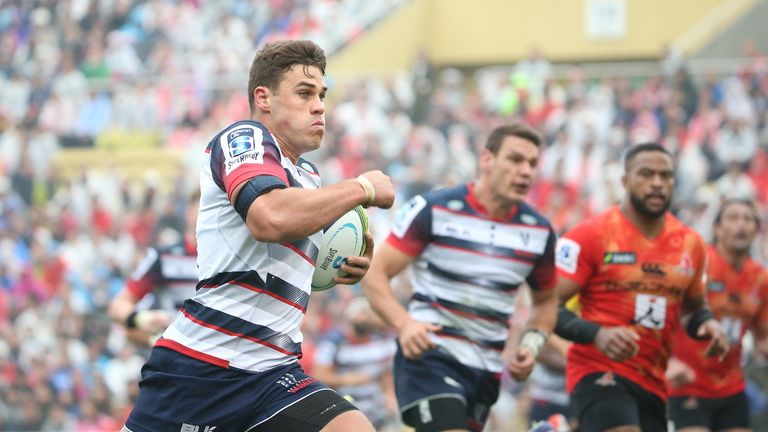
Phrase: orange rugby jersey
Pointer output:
(739, 300)
(629, 280)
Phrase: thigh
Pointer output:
(688, 412)
(437, 414)
(604, 405)
(653, 411)
(731, 413)
(323, 408)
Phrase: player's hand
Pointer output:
(521, 364)
(414, 338)
(153, 321)
(678, 373)
(618, 343)
(356, 266)
(382, 185)
(718, 345)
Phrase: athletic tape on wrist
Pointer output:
(370, 192)
(533, 339)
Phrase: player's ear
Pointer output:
(624, 180)
(486, 157)
(262, 99)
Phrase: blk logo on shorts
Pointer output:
(606, 380)
(195, 428)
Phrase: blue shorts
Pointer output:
(437, 392)
(179, 393)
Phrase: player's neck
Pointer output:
(650, 226)
(735, 258)
(494, 207)
(287, 151)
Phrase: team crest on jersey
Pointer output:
(455, 205)
(619, 258)
(529, 219)
(686, 265)
(242, 145)
(567, 255)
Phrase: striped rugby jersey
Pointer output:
(469, 266)
(252, 296)
(165, 277)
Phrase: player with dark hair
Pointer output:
(469, 247)
(640, 274)
(707, 394)
(229, 360)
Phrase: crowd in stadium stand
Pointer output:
(72, 69)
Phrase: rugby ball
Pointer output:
(343, 238)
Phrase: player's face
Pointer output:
(649, 183)
(737, 227)
(298, 109)
(512, 170)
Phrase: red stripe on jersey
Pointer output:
(404, 246)
(269, 293)
(299, 252)
(139, 288)
(476, 252)
(236, 334)
(197, 355)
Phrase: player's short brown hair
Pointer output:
(275, 58)
(517, 130)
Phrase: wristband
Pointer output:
(130, 320)
(370, 191)
(533, 339)
(698, 317)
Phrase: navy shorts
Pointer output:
(711, 413)
(179, 393)
(437, 392)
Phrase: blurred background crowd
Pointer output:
(81, 74)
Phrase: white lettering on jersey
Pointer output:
(567, 255)
(406, 215)
(518, 237)
(242, 145)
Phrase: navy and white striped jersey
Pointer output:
(252, 296)
(165, 277)
(469, 266)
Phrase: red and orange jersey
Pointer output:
(627, 279)
(739, 300)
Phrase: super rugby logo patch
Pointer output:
(242, 145)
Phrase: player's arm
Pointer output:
(696, 317)
(760, 325)
(388, 262)
(283, 214)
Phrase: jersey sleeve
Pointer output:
(412, 227)
(146, 276)
(761, 317)
(245, 151)
(698, 287)
(575, 254)
(544, 274)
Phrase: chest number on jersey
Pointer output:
(732, 328)
(650, 311)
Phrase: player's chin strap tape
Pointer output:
(573, 328)
(698, 317)
(253, 189)
(533, 339)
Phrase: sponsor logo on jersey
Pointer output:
(716, 286)
(653, 269)
(619, 258)
(240, 145)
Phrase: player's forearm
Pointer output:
(571, 327)
(543, 312)
(120, 308)
(380, 295)
(294, 213)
